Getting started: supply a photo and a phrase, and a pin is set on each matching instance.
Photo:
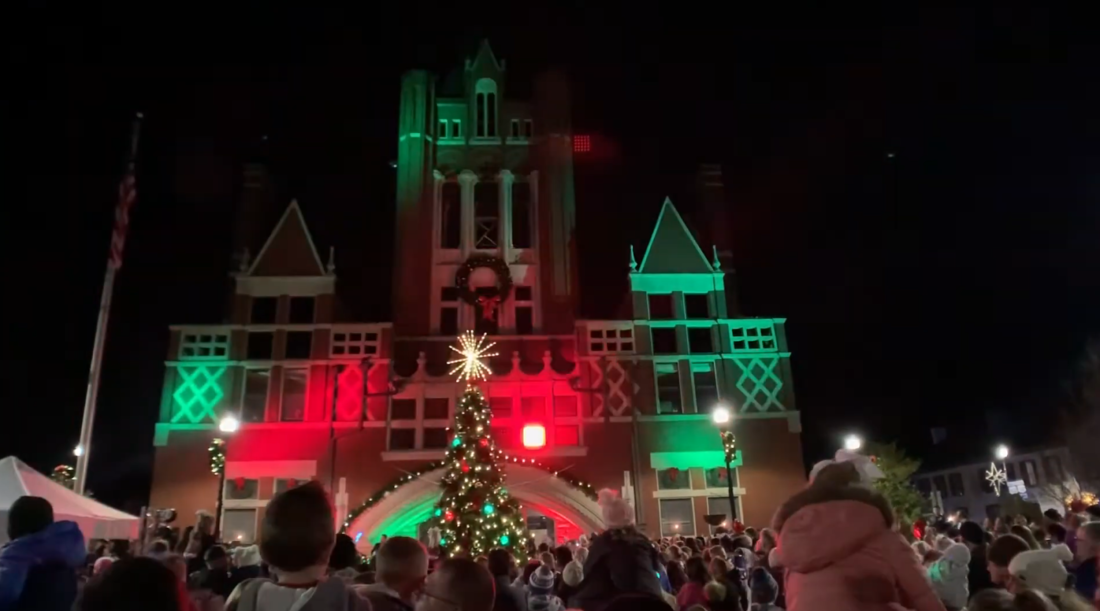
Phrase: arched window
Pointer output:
(485, 100)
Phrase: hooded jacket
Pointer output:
(949, 576)
(620, 561)
(39, 571)
(841, 554)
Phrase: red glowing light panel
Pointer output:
(582, 143)
(534, 436)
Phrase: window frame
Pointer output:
(661, 517)
(282, 393)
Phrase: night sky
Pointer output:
(915, 191)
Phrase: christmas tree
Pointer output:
(476, 514)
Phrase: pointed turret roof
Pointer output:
(484, 57)
(289, 250)
(672, 249)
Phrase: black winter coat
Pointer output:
(620, 561)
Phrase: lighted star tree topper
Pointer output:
(473, 350)
(475, 513)
(996, 477)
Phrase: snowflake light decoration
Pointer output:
(473, 350)
(996, 477)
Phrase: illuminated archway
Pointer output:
(404, 509)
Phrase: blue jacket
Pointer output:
(39, 571)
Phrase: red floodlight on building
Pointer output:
(534, 436)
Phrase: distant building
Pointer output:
(485, 241)
(1044, 474)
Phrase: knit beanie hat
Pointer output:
(573, 573)
(541, 581)
(1042, 569)
(617, 512)
(972, 533)
(763, 586)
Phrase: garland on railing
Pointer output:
(392, 486)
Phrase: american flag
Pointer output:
(127, 195)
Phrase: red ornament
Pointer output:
(918, 529)
(448, 515)
(489, 307)
(484, 442)
(465, 467)
(673, 474)
(738, 527)
(239, 483)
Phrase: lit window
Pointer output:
(677, 517)
(254, 405)
(534, 436)
(668, 390)
(582, 144)
(239, 525)
(294, 395)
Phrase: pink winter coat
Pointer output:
(841, 554)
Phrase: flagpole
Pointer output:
(85, 446)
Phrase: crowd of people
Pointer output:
(834, 546)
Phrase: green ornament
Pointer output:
(504, 539)
(438, 512)
(489, 509)
(443, 542)
(456, 442)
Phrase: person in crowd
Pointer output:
(158, 547)
(571, 578)
(401, 567)
(1044, 571)
(1073, 522)
(206, 601)
(620, 560)
(973, 537)
(457, 584)
(949, 577)
(1052, 516)
(38, 568)
(1000, 554)
(543, 547)
(540, 591)
(508, 597)
(132, 584)
(102, 564)
(676, 576)
(764, 590)
(735, 594)
(1088, 548)
(715, 595)
(580, 555)
(765, 544)
(697, 577)
(215, 576)
(343, 559)
(562, 556)
(837, 542)
(120, 548)
(1056, 534)
(547, 559)
(1001, 600)
(248, 564)
(1025, 533)
(296, 538)
(202, 539)
(184, 540)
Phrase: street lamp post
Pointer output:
(723, 418)
(229, 425)
(852, 443)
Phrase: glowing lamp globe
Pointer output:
(534, 436)
(720, 415)
(229, 424)
(1002, 452)
(853, 443)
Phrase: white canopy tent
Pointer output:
(96, 520)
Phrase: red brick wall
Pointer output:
(772, 469)
(181, 475)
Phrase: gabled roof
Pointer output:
(672, 249)
(485, 56)
(289, 250)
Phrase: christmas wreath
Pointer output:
(488, 300)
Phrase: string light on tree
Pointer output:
(217, 456)
(473, 350)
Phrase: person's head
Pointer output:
(204, 522)
(691, 545)
(1000, 555)
(766, 543)
(132, 584)
(971, 534)
(102, 564)
(573, 574)
(696, 571)
(216, 558)
(717, 552)
(529, 568)
(500, 563)
(742, 542)
(714, 592)
(29, 515)
(248, 555)
(562, 556)
(1025, 533)
(547, 558)
(921, 549)
(719, 567)
(541, 582)
(1052, 515)
(458, 584)
(673, 552)
(1093, 512)
(402, 565)
(159, 548)
(543, 547)
(1056, 532)
(616, 511)
(297, 532)
(1002, 600)
(1088, 540)
(343, 553)
(763, 587)
(1040, 570)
